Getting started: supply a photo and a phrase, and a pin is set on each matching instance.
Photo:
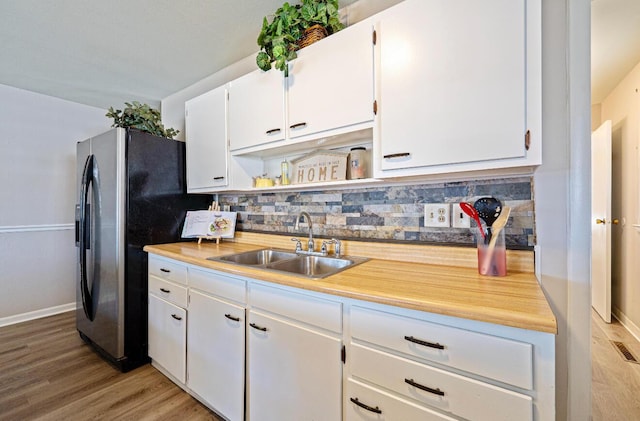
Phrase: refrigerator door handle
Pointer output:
(83, 235)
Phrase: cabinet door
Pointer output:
(452, 82)
(256, 109)
(294, 373)
(216, 353)
(206, 140)
(330, 84)
(168, 336)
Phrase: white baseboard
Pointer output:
(37, 314)
(627, 323)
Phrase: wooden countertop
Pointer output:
(515, 300)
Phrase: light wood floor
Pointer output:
(616, 383)
(48, 373)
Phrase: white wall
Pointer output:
(37, 199)
(563, 230)
(622, 107)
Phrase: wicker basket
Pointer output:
(312, 34)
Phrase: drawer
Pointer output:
(449, 392)
(374, 404)
(306, 308)
(490, 356)
(217, 284)
(168, 291)
(167, 269)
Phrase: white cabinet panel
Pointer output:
(294, 373)
(501, 359)
(256, 109)
(366, 403)
(453, 83)
(168, 291)
(216, 353)
(168, 269)
(462, 396)
(206, 141)
(168, 336)
(330, 84)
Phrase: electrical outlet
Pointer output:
(437, 215)
(459, 219)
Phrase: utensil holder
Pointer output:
(492, 260)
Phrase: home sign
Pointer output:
(320, 166)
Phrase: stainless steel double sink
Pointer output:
(314, 267)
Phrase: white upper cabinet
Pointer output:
(206, 141)
(458, 84)
(330, 84)
(256, 109)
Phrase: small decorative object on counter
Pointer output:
(211, 224)
(284, 170)
(358, 161)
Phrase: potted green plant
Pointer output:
(141, 117)
(279, 39)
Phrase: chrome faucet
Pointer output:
(307, 217)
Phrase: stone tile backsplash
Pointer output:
(385, 213)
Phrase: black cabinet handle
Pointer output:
(165, 270)
(367, 407)
(425, 388)
(298, 125)
(166, 291)
(176, 317)
(273, 131)
(424, 343)
(219, 178)
(230, 317)
(255, 326)
(397, 155)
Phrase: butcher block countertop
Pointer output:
(434, 279)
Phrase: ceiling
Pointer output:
(615, 44)
(103, 53)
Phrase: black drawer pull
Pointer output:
(176, 317)
(255, 326)
(298, 125)
(273, 131)
(425, 388)
(397, 155)
(219, 178)
(424, 343)
(165, 270)
(367, 407)
(230, 317)
(166, 291)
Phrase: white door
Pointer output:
(601, 220)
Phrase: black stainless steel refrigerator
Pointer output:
(132, 192)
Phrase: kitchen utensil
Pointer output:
(497, 226)
(488, 209)
(473, 214)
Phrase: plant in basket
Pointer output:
(294, 27)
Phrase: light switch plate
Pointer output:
(459, 219)
(437, 215)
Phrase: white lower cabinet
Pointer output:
(168, 336)
(258, 351)
(294, 368)
(215, 355)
